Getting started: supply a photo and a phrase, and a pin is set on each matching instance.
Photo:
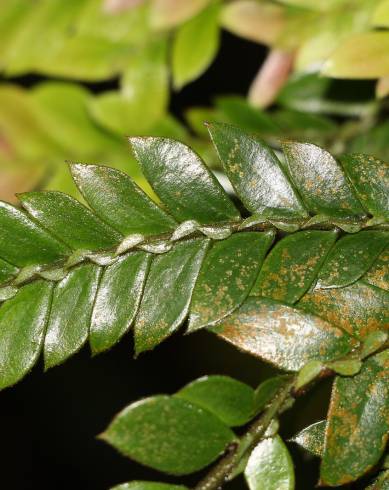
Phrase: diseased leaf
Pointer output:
(270, 466)
(370, 179)
(255, 173)
(230, 400)
(195, 45)
(69, 220)
(119, 201)
(378, 275)
(226, 277)
(284, 336)
(169, 434)
(292, 265)
(23, 321)
(350, 258)
(359, 309)
(71, 311)
(309, 168)
(312, 438)
(381, 483)
(167, 294)
(193, 192)
(358, 423)
(23, 242)
(113, 311)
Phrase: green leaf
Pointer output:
(66, 218)
(292, 265)
(378, 275)
(350, 258)
(239, 112)
(309, 167)
(270, 466)
(284, 336)
(193, 193)
(7, 270)
(71, 310)
(252, 20)
(23, 321)
(113, 311)
(230, 400)
(266, 391)
(226, 277)
(169, 434)
(255, 173)
(358, 423)
(23, 242)
(195, 45)
(146, 485)
(362, 55)
(143, 97)
(312, 438)
(370, 178)
(359, 309)
(168, 291)
(168, 13)
(119, 201)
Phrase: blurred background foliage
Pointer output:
(108, 68)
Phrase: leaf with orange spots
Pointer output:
(358, 423)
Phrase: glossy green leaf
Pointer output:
(169, 434)
(255, 173)
(358, 423)
(23, 321)
(312, 438)
(168, 292)
(359, 309)
(350, 258)
(71, 311)
(69, 220)
(266, 391)
(7, 270)
(113, 311)
(370, 178)
(284, 336)
(193, 192)
(227, 398)
(227, 276)
(309, 168)
(362, 55)
(292, 265)
(147, 485)
(270, 466)
(23, 242)
(119, 201)
(195, 45)
(378, 275)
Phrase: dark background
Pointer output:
(49, 422)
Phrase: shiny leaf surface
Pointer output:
(169, 434)
(312, 438)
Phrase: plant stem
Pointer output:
(222, 471)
